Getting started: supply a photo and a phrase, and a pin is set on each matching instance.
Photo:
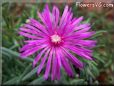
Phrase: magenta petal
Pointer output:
(37, 42)
(82, 26)
(48, 66)
(66, 66)
(47, 16)
(54, 64)
(29, 31)
(77, 21)
(38, 57)
(80, 52)
(72, 26)
(31, 51)
(37, 26)
(58, 56)
(42, 63)
(73, 59)
(41, 17)
(28, 35)
(55, 13)
(58, 70)
(80, 35)
(84, 30)
(64, 15)
(87, 43)
(85, 35)
(32, 44)
(28, 26)
(27, 46)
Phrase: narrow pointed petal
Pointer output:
(31, 51)
(80, 35)
(66, 66)
(28, 35)
(85, 35)
(48, 66)
(47, 16)
(28, 31)
(73, 59)
(58, 56)
(55, 13)
(32, 44)
(42, 62)
(54, 65)
(71, 27)
(38, 26)
(41, 17)
(38, 57)
(84, 30)
(58, 69)
(63, 15)
(28, 26)
(46, 20)
(77, 21)
(81, 26)
(26, 46)
(87, 43)
(80, 52)
(37, 42)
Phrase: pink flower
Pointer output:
(55, 39)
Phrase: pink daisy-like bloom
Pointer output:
(55, 39)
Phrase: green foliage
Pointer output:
(20, 71)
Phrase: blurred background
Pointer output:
(20, 71)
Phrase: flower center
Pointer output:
(55, 38)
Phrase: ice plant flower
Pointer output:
(55, 41)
